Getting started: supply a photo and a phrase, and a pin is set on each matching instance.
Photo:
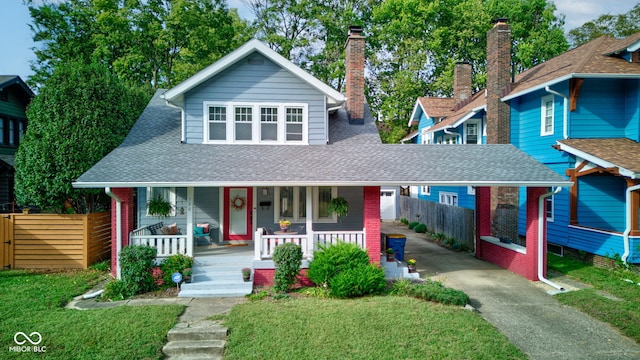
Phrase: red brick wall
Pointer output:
(483, 217)
(371, 219)
(128, 217)
(354, 82)
(462, 82)
(498, 78)
(264, 277)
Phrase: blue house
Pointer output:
(579, 114)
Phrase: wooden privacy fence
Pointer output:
(32, 241)
(453, 221)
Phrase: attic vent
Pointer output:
(255, 61)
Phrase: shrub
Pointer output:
(404, 221)
(420, 228)
(176, 263)
(333, 259)
(362, 279)
(287, 258)
(431, 291)
(413, 224)
(136, 263)
(117, 290)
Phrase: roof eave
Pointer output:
(598, 161)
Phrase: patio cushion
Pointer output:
(155, 228)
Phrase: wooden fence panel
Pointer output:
(453, 221)
(6, 242)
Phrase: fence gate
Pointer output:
(6, 245)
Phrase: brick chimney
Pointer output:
(498, 78)
(354, 66)
(462, 83)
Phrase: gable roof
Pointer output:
(9, 80)
(175, 95)
(618, 152)
(152, 155)
(591, 60)
(478, 103)
(433, 107)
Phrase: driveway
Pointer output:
(523, 311)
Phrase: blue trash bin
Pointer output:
(397, 243)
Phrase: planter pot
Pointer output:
(246, 278)
(391, 257)
(412, 268)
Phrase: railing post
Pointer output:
(257, 244)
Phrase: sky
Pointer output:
(16, 36)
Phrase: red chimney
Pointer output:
(462, 82)
(354, 66)
(498, 78)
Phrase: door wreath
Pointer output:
(238, 203)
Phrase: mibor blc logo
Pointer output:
(27, 343)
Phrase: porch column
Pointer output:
(530, 264)
(190, 192)
(127, 220)
(371, 221)
(483, 216)
(309, 221)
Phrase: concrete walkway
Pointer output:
(524, 311)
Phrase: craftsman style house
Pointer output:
(252, 140)
(578, 113)
(15, 95)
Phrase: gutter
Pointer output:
(446, 131)
(118, 201)
(627, 230)
(565, 115)
(541, 215)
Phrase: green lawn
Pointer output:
(614, 298)
(381, 327)
(34, 302)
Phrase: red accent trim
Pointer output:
(371, 221)
(127, 216)
(249, 212)
(264, 277)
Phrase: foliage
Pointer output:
(116, 290)
(153, 43)
(333, 259)
(35, 300)
(390, 251)
(287, 258)
(176, 263)
(420, 228)
(79, 115)
(258, 296)
(404, 221)
(413, 224)
(136, 264)
(159, 207)
(617, 26)
(431, 291)
(359, 280)
(101, 266)
(338, 206)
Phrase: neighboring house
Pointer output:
(253, 139)
(15, 96)
(578, 113)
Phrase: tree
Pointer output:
(80, 114)
(618, 26)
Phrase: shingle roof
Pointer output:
(620, 152)
(478, 100)
(437, 107)
(8, 80)
(153, 155)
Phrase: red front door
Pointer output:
(238, 205)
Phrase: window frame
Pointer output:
(450, 195)
(426, 137)
(171, 194)
(478, 131)
(549, 207)
(425, 190)
(296, 204)
(544, 101)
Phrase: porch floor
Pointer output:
(224, 250)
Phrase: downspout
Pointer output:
(115, 197)
(565, 115)
(541, 217)
(446, 131)
(627, 231)
(182, 121)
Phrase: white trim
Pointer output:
(171, 200)
(581, 155)
(543, 114)
(464, 118)
(478, 124)
(515, 247)
(550, 199)
(415, 107)
(425, 190)
(295, 203)
(447, 195)
(175, 95)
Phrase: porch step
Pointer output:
(396, 269)
(203, 340)
(218, 276)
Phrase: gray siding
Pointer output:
(258, 81)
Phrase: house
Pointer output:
(15, 95)
(578, 113)
(252, 140)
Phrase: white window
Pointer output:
(255, 123)
(448, 139)
(471, 190)
(546, 121)
(471, 133)
(425, 190)
(426, 136)
(549, 202)
(166, 193)
(449, 198)
(291, 203)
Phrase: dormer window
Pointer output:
(245, 123)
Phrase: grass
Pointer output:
(614, 297)
(380, 327)
(34, 302)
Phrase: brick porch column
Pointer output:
(483, 217)
(371, 222)
(128, 217)
(531, 261)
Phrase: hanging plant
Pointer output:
(338, 206)
(159, 207)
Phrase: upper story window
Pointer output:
(546, 121)
(471, 132)
(255, 123)
(427, 137)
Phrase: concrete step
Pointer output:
(205, 349)
(214, 293)
(200, 269)
(216, 289)
(223, 260)
(205, 330)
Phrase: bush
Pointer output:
(176, 263)
(287, 258)
(331, 260)
(404, 221)
(431, 291)
(117, 290)
(420, 228)
(362, 279)
(413, 224)
(136, 263)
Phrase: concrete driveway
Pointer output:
(524, 311)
